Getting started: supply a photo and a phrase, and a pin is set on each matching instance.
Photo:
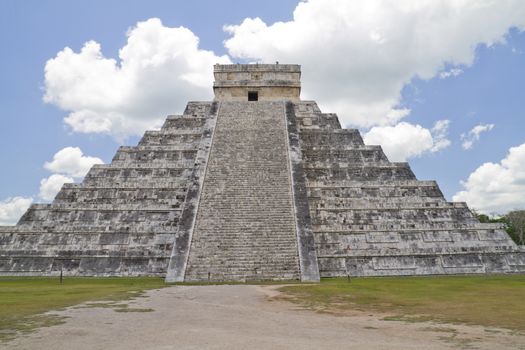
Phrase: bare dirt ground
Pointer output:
(246, 317)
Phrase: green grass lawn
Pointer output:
(497, 300)
(23, 300)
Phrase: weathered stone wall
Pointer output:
(240, 94)
(122, 219)
(272, 82)
(372, 217)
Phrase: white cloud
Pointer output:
(358, 55)
(439, 133)
(474, 134)
(158, 71)
(50, 186)
(497, 187)
(12, 208)
(67, 164)
(454, 72)
(71, 161)
(405, 140)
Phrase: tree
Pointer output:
(513, 223)
(516, 219)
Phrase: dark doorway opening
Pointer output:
(253, 96)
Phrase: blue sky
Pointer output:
(415, 78)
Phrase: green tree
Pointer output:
(516, 222)
(513, 223)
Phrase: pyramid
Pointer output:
(255, 185)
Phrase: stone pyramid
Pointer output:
(255, 185)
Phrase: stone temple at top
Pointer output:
(254, 185)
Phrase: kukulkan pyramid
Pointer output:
(255, 185)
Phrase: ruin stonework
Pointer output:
(255, 185)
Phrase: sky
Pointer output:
(439, 84)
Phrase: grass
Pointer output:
(24, 300)
(494, 301)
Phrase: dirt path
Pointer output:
(241, 317)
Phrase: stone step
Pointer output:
(370, 185)
(126, 186)
(472, 228)
(194, 124)
(147, 156)
(272, 272)
(331, 138)
(306, 107)
(179, 147)
(317, 121)
(85, 266)
(411, 239)
(240, 264)
(345, 157)
(375, 193)
(240, 258)
(139, 229)
(245, 249)
(100, 225)
(365, 205)
(200, 108)
(171, 138)
(52, 216)
(143, 196)
(89, 249)
(125, 202)
(242, 277)
(153, 163)
(136, 183)
(395, 203)
(242, 238)
(392, 172)
(479, 262)
(415, 226)
(119, 174)
(102, 207)
(361, 202)
(455, 211)
(386, 221)
(421, 250)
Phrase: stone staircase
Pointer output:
(372, 217)
(245, 226)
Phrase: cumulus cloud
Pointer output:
(439, 134)
(358, 55)
(67, 164)
(72, 162)
(497, 187)
(50, 186)
(474, 134)
(454, 72)
(405, 140)
(12, 208)
(157, 72)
